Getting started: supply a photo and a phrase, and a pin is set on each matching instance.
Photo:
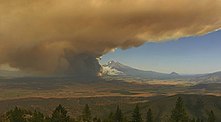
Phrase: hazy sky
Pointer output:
(187, 55)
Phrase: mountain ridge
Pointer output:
(125, 70)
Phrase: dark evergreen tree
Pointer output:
(211, 117)
(37, 117)
(125, 119)
(118, 116)
(136, 115)
(16, 115)
(99, 120)
(149, 116)
(96, 119)
(111, 117)
(60, 115)
(198, 120)
(193, 120)
(47, 119)
(86, 115)
(178, 113)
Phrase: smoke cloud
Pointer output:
(67, 36)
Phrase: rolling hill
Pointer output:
(210, 78)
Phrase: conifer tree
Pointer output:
(96, 119)
(111, 117)
(136, 115)
(60, 115)
(37, 117)
(86, 114)
(118, 117)
(193, 120)
(211, 117)
(178, 113)
(198, 120)
(16, 115)
(149, 116)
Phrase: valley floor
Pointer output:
(104, 95)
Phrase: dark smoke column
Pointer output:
(82, 65)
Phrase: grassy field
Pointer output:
(68, 88)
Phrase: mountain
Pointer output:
(210, 78)
(118, 69)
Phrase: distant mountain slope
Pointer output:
(117, 68)
(210, 78)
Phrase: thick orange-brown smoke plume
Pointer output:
(67, 36)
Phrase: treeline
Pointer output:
(178, 114)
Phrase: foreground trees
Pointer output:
(136, 115)
(149, 116)
(211, 117)
(17, 115)
(37, 117)
(118, 117)
(179, 113)
(86, 115)
(60, 114)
